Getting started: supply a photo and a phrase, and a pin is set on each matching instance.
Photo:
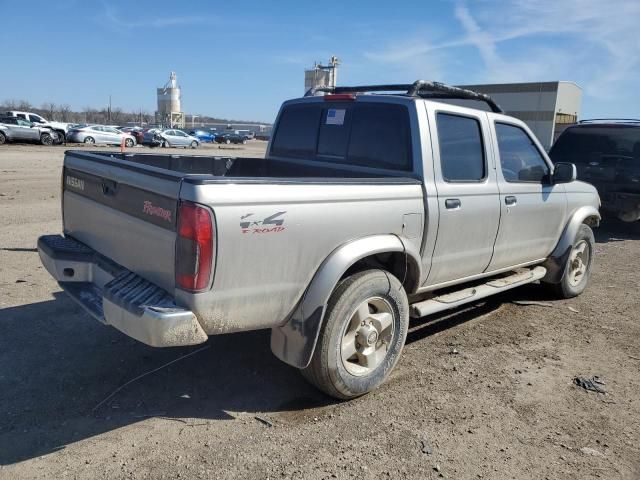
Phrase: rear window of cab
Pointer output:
(366, 134)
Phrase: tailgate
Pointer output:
(125, 211)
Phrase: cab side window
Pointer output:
(461, 148)
(520, 159)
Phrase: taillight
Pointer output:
(339, 97)
(194, 247)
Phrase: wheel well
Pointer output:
(397, 263)
(592, 221)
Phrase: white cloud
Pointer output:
(593, 42)
(122, 23)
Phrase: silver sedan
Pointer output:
(177, 138)
(92, 134)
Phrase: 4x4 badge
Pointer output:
(249, 225)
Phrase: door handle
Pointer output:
(453, 203)
(510, 200)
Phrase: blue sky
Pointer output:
(242, 59)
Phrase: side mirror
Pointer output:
(564, 172)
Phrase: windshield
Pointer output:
(593, 143)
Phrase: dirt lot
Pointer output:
(484, 392)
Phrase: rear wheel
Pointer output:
(46, 139)
(244, 142)
(129, 142)
(3, 138)
(362, 337)
(89, 140)
(579, 264)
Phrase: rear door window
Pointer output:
(462, 157)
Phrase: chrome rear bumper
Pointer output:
(118, 297)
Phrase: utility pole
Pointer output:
(109, 111)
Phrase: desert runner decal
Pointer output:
(150, 209)
(249, 224)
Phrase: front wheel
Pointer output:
(129, 142)
(3, 138)
(579, 264)
(46, 139)
(194, 144)
(362, 336)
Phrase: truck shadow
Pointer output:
(57, 364)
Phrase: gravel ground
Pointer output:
(483, 392)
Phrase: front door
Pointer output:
(468, 198)
(533, 209)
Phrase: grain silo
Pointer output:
(322, 75)
(169, 113)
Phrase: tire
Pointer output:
(129, 143)
(3, 138)
(62, 138)
(227, 141)
(579, 265)
(194, 144)
(244, 142)
(46, 139)
(377, 297)
(166, 144)
(89, 140)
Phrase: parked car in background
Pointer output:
(60, 128)
(266, 136)
(203, 136)
(607, 154)
(99, 134)
(14, 129)
(176, 138)
(231, 137)
(250, 134)
(137, 132)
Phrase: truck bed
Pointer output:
(207, 168)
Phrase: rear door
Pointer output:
(532, 209)
(467, 190)
(112, 135)
(25, 130)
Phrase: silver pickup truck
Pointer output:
(368, 209)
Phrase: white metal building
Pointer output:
(546, 107)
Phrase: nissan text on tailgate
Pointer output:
(374, 204)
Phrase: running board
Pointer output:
(471, 294)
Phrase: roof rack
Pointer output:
(610, 120)
(419, 88)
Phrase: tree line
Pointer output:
(104, 116)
